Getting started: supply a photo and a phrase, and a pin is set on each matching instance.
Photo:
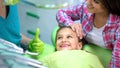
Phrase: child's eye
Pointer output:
(69, 36)
(59, 37)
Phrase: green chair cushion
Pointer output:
(103, 54)
(53, 36)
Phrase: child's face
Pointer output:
(67, 40)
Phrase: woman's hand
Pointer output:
(77, 27)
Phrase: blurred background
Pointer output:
(41, 14)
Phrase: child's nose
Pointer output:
(64, 40)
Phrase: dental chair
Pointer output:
(104, 55)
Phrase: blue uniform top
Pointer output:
(10, 26)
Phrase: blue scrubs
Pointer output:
(10, 26)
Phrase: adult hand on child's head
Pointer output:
(77, 27)
(36, 45)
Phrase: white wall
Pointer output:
(47, 21)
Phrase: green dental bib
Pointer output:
(72, 59)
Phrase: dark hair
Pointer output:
(80, 40)
(113, 6)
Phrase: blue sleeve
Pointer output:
(10, 26)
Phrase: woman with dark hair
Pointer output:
(99, 24)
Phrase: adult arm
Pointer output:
(115, 61)
(68, 16)
(25, 40)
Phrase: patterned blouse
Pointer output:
(111, 32)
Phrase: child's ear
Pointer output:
(79, 47)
